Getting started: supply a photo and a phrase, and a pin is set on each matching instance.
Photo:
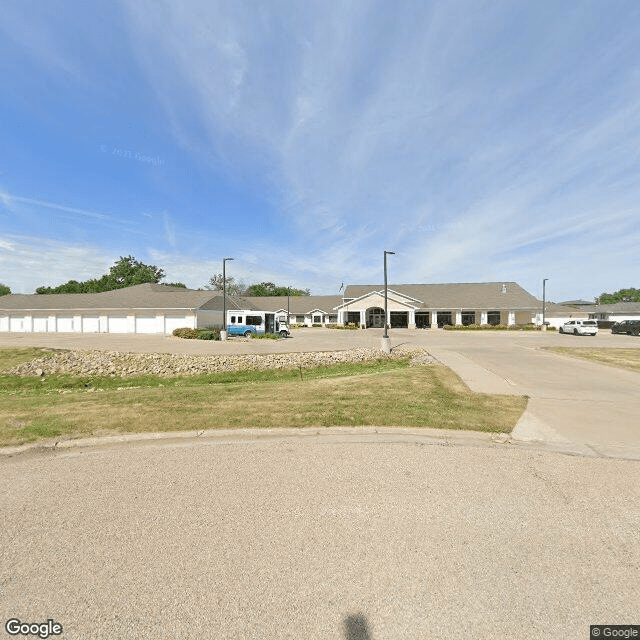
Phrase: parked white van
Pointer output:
(580, 327)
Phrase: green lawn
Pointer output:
(380, 393)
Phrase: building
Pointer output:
(144, 308)
(616, 312)
(158, 308)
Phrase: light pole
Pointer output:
(544, 302)
(223, 333)
(288, 310)
(386, 335)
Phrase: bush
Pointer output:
(492, 327)
(316, 325)
(185, 332)
(208, 335)
(266, 336)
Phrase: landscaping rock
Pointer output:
(127, 365)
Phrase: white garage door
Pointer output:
(146, 324)
(4, 323)
(65, 323)
(175, 322)
(16, 324)
(118, 324)
(41, 325)
(90, 324)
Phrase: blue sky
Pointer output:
(479, 140)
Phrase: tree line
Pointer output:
(127, 272)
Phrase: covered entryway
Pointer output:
(444, 318)
(375, 318)
(399, 319)
(468, 317)
(423, 319)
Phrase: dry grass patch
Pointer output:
(9, 358)
(421, 396)
(623, 358)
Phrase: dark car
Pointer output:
(630, 327)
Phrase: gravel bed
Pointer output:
(126, 365)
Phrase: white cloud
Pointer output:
(24, 260)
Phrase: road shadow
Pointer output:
(356, 627)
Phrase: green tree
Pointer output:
(623, 295)
(4, 290)
(126, 272)
(270, 289)
(233, 288)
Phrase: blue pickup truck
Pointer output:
(247, 323)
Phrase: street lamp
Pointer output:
(224, 297)
(288, 310)
(544, 299)
(385, 291)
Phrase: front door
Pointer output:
(375, 318)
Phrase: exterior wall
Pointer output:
(614, 317)
(209, 319)
(525, 317)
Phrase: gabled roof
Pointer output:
(141, 296)
(297, 304)
(465, 295)
(554, 310)
(617, 307)
(392, 296)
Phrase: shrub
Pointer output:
(316, 325)
(185, 332)
(266, 336)
(208, 335)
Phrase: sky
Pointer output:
(479, 140)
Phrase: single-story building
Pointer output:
(144, 308)
(159, 308)
(558, 314)
(410, 305)
(616, 312)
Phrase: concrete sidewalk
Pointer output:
(581, 406)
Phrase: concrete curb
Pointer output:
(327, 435)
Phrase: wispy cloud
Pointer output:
(29, 262)
(10, 201)
(480, 141)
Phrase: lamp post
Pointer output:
(288, 310)
(544, 302)
(223, 333)
(386, 335)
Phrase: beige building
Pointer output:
(158, 308)
(410, 305)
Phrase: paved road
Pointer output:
(320, 539)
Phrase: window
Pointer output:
(317, 319)
(254, 320)
(233, 319)
(239, 319)
(493, 317)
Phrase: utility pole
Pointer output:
(544, 303)
(223, 333)
(385, 338)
